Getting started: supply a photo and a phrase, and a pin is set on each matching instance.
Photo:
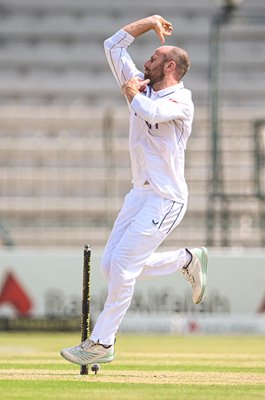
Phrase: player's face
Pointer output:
(154, 68)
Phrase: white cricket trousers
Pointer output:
(141, 226)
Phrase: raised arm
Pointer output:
(119, 60)
(155, 22)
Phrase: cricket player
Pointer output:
(161, 114)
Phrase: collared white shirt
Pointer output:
(160, 124)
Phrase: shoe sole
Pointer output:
(204, 266)
(69, 357)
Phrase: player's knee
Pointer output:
(112, 263)
(120, 267)
(105, 265)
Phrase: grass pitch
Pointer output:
(146, 367)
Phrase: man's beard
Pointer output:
(154, 77)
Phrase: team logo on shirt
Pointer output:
(150, 126)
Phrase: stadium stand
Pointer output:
(63, 122)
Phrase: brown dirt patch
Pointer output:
(159, 377)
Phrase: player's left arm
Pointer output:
(116, 46)
(120, 62)
(157, 23)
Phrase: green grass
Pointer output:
(146, 367)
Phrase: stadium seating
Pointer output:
(63, 121)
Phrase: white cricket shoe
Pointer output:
(88, 352)
(196, 272)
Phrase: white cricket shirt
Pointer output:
(160, 124)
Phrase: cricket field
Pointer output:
(146, 367)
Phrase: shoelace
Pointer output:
(189, 277)
(87, 344)
(186, 274)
